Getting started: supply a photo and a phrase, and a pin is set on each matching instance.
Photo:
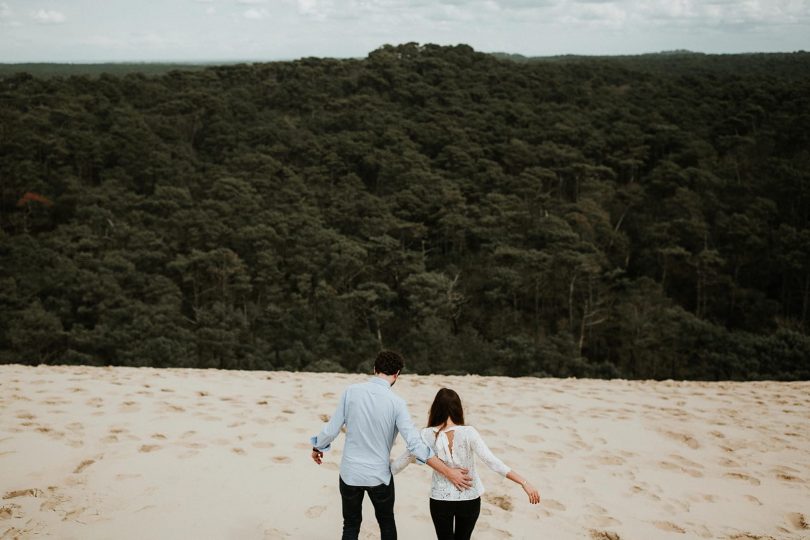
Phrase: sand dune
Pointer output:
(147, 453)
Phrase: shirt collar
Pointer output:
(380, 381)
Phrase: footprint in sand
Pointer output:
(798, 521)
(548, 456)
(668, 465)
(192, 445)
(73, 514)
(668, 526)
(494, 533)
(281, 459)
(596, 509)
(608, 459)
(83, 465)
(603, 535)
(169, 407)
(741, 476)
(262, 444)
(31, 492)
(604, 521)
(504, 502)
(129, 406)
(146, 448)
(684, 438)
(686, 462)
(554, 505)
(788, 477)
(314, 511)
(238, 451)
(638, 489)
(7, 512)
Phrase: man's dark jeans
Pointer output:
(382, 497)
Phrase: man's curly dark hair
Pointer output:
(388, 362)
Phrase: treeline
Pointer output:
(591, 217)
(47, 70)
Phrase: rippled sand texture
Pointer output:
(131, 453)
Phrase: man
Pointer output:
(373, 415)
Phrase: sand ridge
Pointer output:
(91, 452)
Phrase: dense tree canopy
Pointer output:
(643, 217)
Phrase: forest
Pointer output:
(633, 217)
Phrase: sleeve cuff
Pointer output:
(314, 442)
(430, 454)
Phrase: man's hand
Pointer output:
(460, 478)
(317, 456)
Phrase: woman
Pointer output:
(455, 512)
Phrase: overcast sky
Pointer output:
(212, 30)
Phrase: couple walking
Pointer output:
(373, 415)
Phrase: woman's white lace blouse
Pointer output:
(466, 443)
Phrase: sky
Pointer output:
(260, 30)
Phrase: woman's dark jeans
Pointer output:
(465, 514)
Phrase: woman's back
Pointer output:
(457, 446)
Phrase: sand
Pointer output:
(133, 453)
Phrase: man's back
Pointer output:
(371, 428)
(373, 415)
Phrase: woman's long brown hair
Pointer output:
(446, 405)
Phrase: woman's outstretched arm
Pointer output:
(485, 454)
(531, 491)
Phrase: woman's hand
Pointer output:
(531, 491)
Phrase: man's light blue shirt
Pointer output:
(373, 415)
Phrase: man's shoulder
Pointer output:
(363, 386)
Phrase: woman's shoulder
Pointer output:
(467, 431)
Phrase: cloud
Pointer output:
(719, 13)
(256, 14)
(7, 16)
(43, 16)
(251, 2)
